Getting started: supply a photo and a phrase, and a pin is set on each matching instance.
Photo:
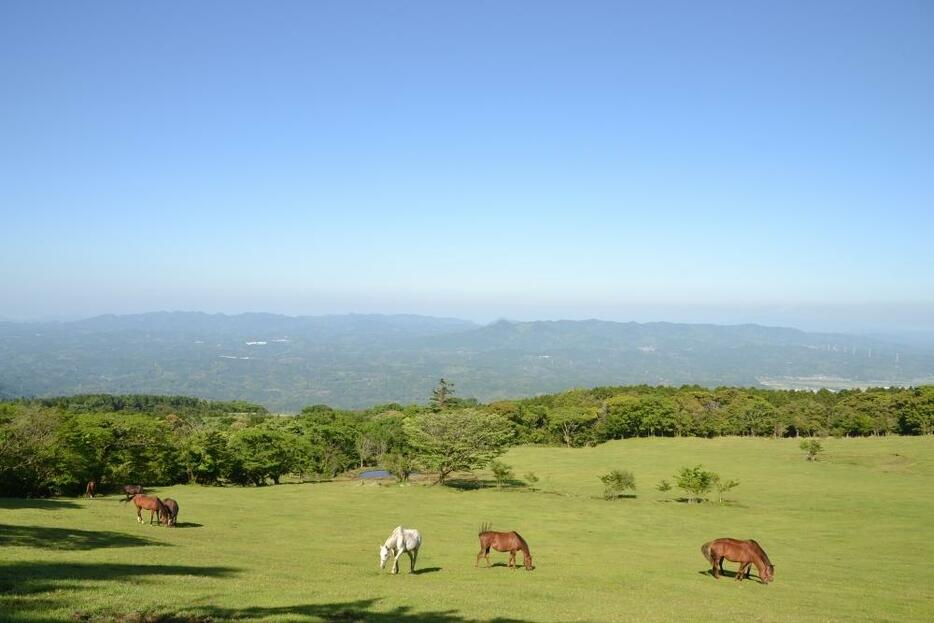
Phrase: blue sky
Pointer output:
(692, 161)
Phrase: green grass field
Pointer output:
(851, 536)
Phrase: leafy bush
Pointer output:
(723, 486)
(812, 447)
(695, 481)
(663, 485)
(616, 482)
(502, 473)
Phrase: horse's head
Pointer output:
(383, 556)
(528, 563)
(769, 574)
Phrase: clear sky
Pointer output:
(671, 160)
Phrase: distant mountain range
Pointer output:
(352, 361)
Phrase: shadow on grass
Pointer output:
(188, 524)
(471, 484)
(37, 577)
(68, 538)
(726, 573)
(360, 611)
(426, 570)
(33, 503)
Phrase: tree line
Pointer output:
(54, 446)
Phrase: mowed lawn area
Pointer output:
(851, 536)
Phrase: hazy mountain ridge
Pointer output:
(286, 362)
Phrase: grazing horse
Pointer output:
(400, 541)
(503, 542)
(171, 515)
(130, 490)
(90, 490)
(746, 553)
(150, 503)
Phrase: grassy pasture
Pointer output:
(852, 538)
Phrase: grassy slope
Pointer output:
(852, 538)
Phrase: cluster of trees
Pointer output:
(589, 417)
(54, 446)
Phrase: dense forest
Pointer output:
(55, 445)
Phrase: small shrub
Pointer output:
(812, 447)
(531, 478)
(695, 481)
(723, 486)
(616, 482)
(502, 473)
(663, 485)
(400, 465)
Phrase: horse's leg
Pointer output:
(395, 561)
(486, 556)
(139, 514)
(743, 569)
(412, 556)
(479, 554)
(717, 567)
(512, 559)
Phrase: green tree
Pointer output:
(441, 395)
(695, 481)
(723, 486)
(616, 482)
(813, 447)
(448, 441)
(502, 473)
(399, 464)
(258, 453)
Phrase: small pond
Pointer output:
(375, 473)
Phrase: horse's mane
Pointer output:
(525, 546)
(761, 552)
(485, 527)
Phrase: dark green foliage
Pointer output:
(54, 446)
(616, 482)
(663, 485)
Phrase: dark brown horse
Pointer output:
(150, 503)
(90, 490)
(746, 553)
(171, 516)
(130, 490)
(503, 542)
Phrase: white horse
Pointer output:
(400, 541)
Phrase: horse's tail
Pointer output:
(705, 550)
(484, 527)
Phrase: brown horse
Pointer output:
(90, 490)
(171, 516)
(746, 553)
(503, 542)
(130, 490)
(150, 503)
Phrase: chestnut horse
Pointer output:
(746, 553)
(90, 490)
(150, 503)
(171, 515)
(503, 542)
